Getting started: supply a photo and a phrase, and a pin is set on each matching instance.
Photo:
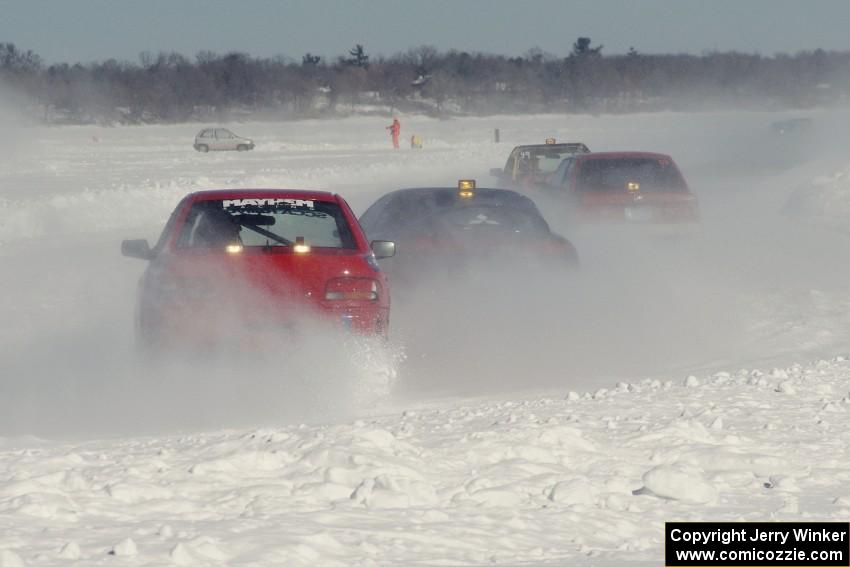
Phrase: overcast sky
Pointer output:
(89, 30)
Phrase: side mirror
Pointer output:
(383, 248)
(497, 172)
(137, 249)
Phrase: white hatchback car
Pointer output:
(221, 139)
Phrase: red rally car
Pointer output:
(638, 187)
(229, 262)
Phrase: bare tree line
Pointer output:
(169, 87)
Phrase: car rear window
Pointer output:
(500, 219)
(265, 222)
(615, 174)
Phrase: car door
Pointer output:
(205, 137)
(224, 139)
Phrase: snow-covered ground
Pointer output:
(546, 480)
(532, 421)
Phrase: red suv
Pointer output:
(625, 186)
(256, 260)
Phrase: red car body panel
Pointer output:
(657, 205)
(196, 294)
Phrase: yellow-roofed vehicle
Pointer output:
(532, 165)
(442, 230)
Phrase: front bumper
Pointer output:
(199, 327)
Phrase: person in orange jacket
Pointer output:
(395, 130)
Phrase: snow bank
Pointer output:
(542, 479)
(826, 197)
(679, 483)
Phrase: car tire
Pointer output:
(203, 148)
(242, 148)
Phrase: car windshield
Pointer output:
(542, 159)
(265, 222)
(619, 174)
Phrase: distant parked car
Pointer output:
(792, 126)
(221, 139)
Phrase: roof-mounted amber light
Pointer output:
(550, 141)
(299, 247)
(466, 188)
